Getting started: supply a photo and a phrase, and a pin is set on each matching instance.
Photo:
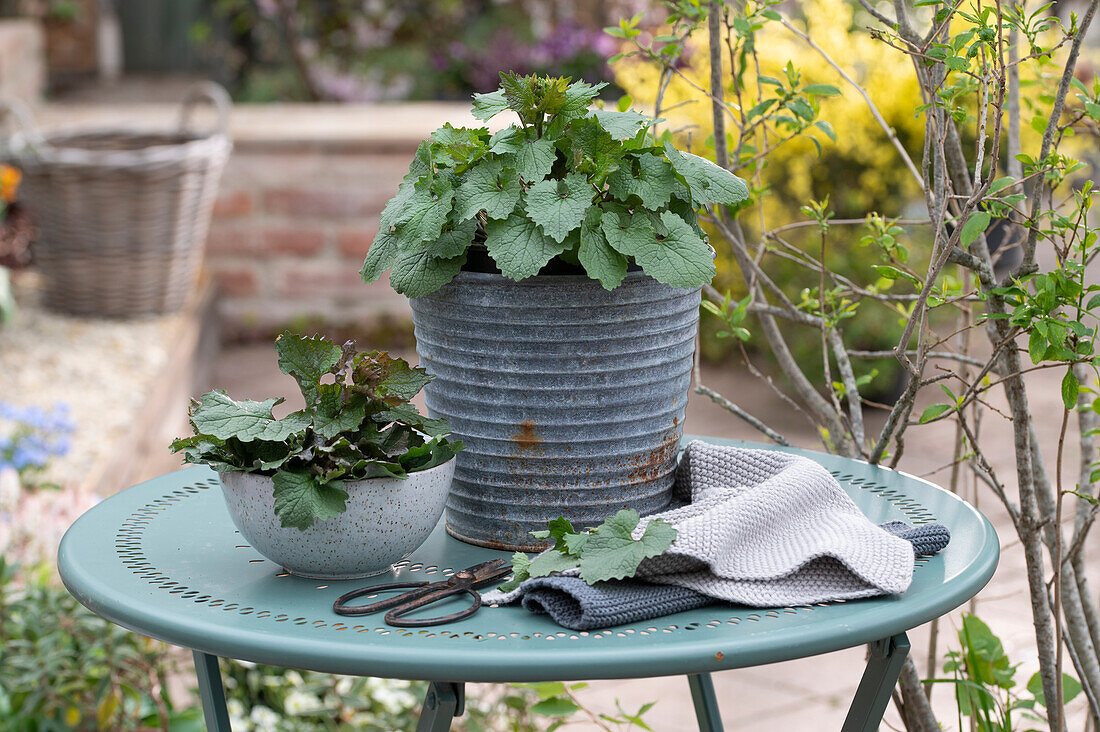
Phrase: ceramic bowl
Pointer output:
(386, 520)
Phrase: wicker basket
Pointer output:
(122, 214)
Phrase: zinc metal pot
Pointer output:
(569, 399)
(386, 520)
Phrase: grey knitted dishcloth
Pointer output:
(574, 604)
(771, 529)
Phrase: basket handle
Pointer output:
(17, 110)
(216, 96)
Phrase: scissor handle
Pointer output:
(394, 617)
(340, 607)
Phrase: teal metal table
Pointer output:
(163, 559)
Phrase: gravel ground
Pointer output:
(101, 368)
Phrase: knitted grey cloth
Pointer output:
(572, 603)
(770, 529)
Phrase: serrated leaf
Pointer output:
(627, 233)
(428, 210)
(598, 258)
(621, 125)
(380, 256)
(408, 414)
(708, 183)
(507, 140)
(487, 106)
(417, 273)
(402, 380)
(519, 247)
(1070, 389)
(488, 187)
(680, 258)
(577, 98)
(219, 416)
(557, 530)
(558, 206)
(975, 225)
(307, 360)
(457, 145)
(453, 241)
(332, 415)
(551, 562)
(300, 499)
(521, 565)
(653, 181)
(533, 160)
(612, 553)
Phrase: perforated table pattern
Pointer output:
(163, 558)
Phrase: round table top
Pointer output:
(163, 558)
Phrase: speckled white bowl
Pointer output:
(386, 520)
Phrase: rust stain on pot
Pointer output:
(654, 463)
(526, 438)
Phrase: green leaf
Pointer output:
(1071, 687)
(507, 140)
(453, 241)
(558, 206)
(519, 247)
(300, 499)
(521, 565)
(408, 414)
(621, 125)
(708, 183)
(333, 416)
(578, 96)
(975, 225)
(533, 160)
(1070, 389)
(428, 210)
(597, 257)
(680, 258)
(1036, 346)
(487, 106)
(627, 232)
(380, 256)
(219, 416)
(933, 411)
(652, 182)
(489, 187)
(402, 380)
(307, 360)
(558, 706)
(417, 273)
(551, 562)
(611, 552)
(821, 90)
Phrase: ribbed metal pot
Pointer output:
(569, 399)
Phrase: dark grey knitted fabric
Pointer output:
(927, 540)
(574, 604)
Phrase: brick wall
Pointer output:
(22, 67)
(289, 234)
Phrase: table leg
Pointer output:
(873, 694)
(212, 692)
(706, 705)
(444, 701)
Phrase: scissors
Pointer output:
(465, 581)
